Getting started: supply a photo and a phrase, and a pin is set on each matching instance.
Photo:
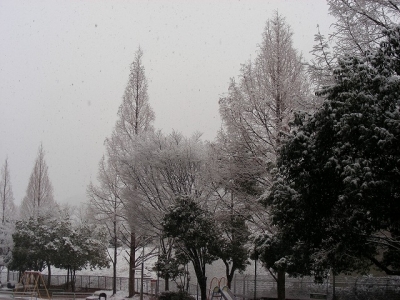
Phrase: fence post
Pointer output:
(327, 286)
(244, 286)
(355, 286)
(234, 285)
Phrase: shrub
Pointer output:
(180, 295)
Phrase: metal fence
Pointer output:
(251, 287)
(346, 287)
(86, 282)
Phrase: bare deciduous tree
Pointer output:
(135, 116)
(6, 194)
(8, 216)
(106, 202)
(39, 199)
(260, 106)
(135, 113)
(360, 23)
(257, 113)
(358, 30)
(162, 168)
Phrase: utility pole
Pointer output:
(141, 276)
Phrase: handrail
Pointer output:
(29, 294)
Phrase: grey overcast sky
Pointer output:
(64, 66)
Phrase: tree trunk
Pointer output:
(166, 283)
(48, 275)
(334, 286)
(228, 274)
(201, 279)
(203, 287)
(132, 261)
(115, 262)
(281, 285)
(73, 276)
(67, 284)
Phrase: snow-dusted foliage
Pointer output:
(359, 24)
(106, 201)
(256, 115)
(8, 215)
(233, 240)
(135, 116)
(195, 236)
(336, 196)
(6, 194)
(135, 113)
(44, 242)
(159, 168)
(259, 107)
(358, 29)
(39, 198)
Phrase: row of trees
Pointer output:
(212, 187)
(45, 241)
(337, 177)
(7, 214)
(40, 233)
(334, 195)
(314, 178)
(306, 183)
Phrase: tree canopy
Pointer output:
(43, 242)
(195, 236)
(39, 198)
(336, 196)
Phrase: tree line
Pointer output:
(303, 175)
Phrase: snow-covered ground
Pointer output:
(217, 269)
(120, 295)
(122, 267)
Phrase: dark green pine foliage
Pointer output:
(28, 246)
(173, 267)
(195, 236)
(336, 195)
(45, 242)
(232, 244)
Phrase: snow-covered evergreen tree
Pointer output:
(43, 242)
(195, 236)
(337, 192)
